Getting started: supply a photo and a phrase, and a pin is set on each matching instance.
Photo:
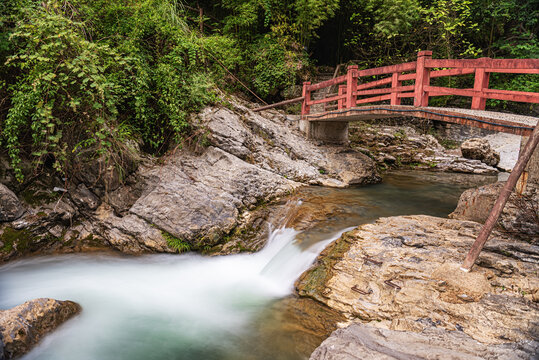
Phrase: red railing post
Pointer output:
(341, 102)
(351, 86)
(395, 99)
(422, 78)
(480, 84)
(305, 107)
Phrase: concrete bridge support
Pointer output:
(334, 132)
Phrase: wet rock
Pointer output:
(479, 149)
(10, 206)
(359, 341)
(495, 303)
(25, 325)
(520, 215)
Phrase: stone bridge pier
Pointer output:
(332, 132)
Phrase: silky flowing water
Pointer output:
(195, 307)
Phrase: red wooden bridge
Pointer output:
(412, 80)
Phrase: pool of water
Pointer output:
(194, 307)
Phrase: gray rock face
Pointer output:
(23, 326)
(200, 198)
(520, 215)
(197, 199)
(358, 342)
(479, 149)
(269, 143)
(10, 206)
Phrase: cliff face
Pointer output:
(186, 200)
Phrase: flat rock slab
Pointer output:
(359, 341)
(24, 325)
(403, 273)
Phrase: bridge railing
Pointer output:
(352, 93)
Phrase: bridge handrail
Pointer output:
(421, 71)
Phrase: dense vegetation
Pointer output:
(89, 75)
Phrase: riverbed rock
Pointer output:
(402, 273)
(479, 149)
(402, 145)
(520, 215)
(10, 206)
(25, 325)
(358, 341)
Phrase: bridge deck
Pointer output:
(502, 122)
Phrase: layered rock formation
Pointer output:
(188, 200)
(358, 342)
(402, 273)
(23, 326)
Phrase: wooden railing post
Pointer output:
(480, 84)
(351, 86)
(341, 103)
(395, 99)
(422, 78)
(305, 107)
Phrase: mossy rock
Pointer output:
(313, 281)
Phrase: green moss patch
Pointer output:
(313, 281)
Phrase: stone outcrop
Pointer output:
(197, 198)
(479, 149)
(25, 325)
(10, 206)
(358, 342)
(520, 215)
(402, 273)
(397, 146)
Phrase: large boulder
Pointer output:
(479, 149)
(358, 342)
(403, 273)
(520, 215)
(10, 206)
(25, 325)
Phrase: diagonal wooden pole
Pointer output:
(497, 209)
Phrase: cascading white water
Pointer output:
(157, 306)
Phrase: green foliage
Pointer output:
(176, 243)
(89, 74)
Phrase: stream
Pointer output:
(194, 307)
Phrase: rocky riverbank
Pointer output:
(208, 198)
(405, 146)
(402, 274)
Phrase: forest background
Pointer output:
(90, 76)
